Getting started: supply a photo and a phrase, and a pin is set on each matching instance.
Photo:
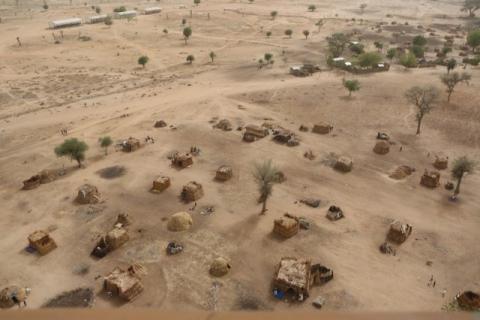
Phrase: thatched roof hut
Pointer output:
(88, 194)
(180, 221)
(381, 147)
(160, 184)
(224, 173)
(131, 144)
(182, 160)
(399, 232)
(286, 227)
(293, 277)
(192, 191)
(220, 267)
(441, 163)
(343, 164)
(41, 242)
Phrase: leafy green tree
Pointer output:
(190, 58)
(473, 39)
(273, 14)
(265, 175)
(312, 7)
(187, 33)
(143, 60)
(450, 80)
(451, 64)
(105, 142)
(369, 59)
(418, 51)
(419, 41)
(351, 86)
(289, 33)
(391, 53)
(424, 98)
(337, 43)
(73, 148)
(461, 166)
(269, 34)
(212, 55)
(306, 33)
(408, 60)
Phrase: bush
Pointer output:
(369, 59)
(120, 9)
(408, 60)
(108, 21)
(419, 41)
(357, 48)
(391, 53)
(418, 51)
(473, 39)
(143, 60)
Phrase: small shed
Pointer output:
(399, 232)
(131, 144)
(116, 237)
(381, 147)
(254, 132)
(224, 173)
(343, 164)
(192, 191)
(88, 194)
(160, 184)
(71, 22)
(125, 284)
(441, 163)
(430, 179)
(182, 160)
(293, 278)
(322, 128)
(41, 242)
(152, 10)
(286, 227)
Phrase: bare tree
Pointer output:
(265, 174)
(451, 80)
(424, 98)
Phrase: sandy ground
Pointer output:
(95, 88)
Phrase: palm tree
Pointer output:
(265, 174)
(461, 166)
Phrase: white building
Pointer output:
(152, 10)
(65, 23)
(96, 19)
(125, 14)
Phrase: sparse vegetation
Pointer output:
(312, 7)
(408, 60)
(424, 98)
(306, 33)
(143, 60)
(265, 175)
(190, 58)
(268, 34)
(105, 142)
(187, 33)
(391, 53)
(351, 86)
(273, 14)
(212, 56)
(451, 80)
(337, 43)
(369, 59)
(419, 41)
(460, 167)
(451, 64)
(73, 148)
(473, 39)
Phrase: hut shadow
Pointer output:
(113, 301)
(275, 237)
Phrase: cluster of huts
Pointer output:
(72, 22)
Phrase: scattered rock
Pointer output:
(387, 248)
(174, 248)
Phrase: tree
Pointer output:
(184, 21)
(319, 24)
(289, 33)
(363, 6)
(269, 34)
(450, 80)
(187, 32)
(273, 14)
(105, 142)
(391, 53)
(461, 166)
(98, 10)
(196, 2)
(45, 6)
(351, 86)
(265, 175)
(378, 45)
(73, 148)
(451, 64)
(473, 39)
(268, 58)
(424, 98)
(190, 58)
(418, 51)
(108, 21)
(165, 31)
(369, 59)
(408, 60)
(212, 55)
(337, 43)
(143, 60)
(419, 41)
(306, 33)
(312, 7)
(471, 6)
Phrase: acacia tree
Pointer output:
(105, 142)
(212, 55)
(351, 86)
(273, 14)
(306, 33)
(471, 6)
(451, 80)
(461, 166)
(289, 33)
(337, 43)
(424, 98)
(312, 7)
(451, 64)
(143, 60)
(187, 32)
(268, 34)
(265, 175)
(73, 148)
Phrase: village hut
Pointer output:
(335, 213)
(286, 227)
(381, 147)
(430, 179)
(182, 160)
(469, 301)
(12, 295)
(441, 163)
(224, 173)
(343, 164)
(220, 267)
(401, 172)
(399, 232)
(71, 22)
(192, 191)
(131, 144)
(322, 128)
(160, 184)
(88, 194)
(180, 221)
(292, 278)
(254, 132)
(125, 284)
(41, 242)
(116, 237)
(160, 124)
(224, 125)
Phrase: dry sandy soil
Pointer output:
(96, 88)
